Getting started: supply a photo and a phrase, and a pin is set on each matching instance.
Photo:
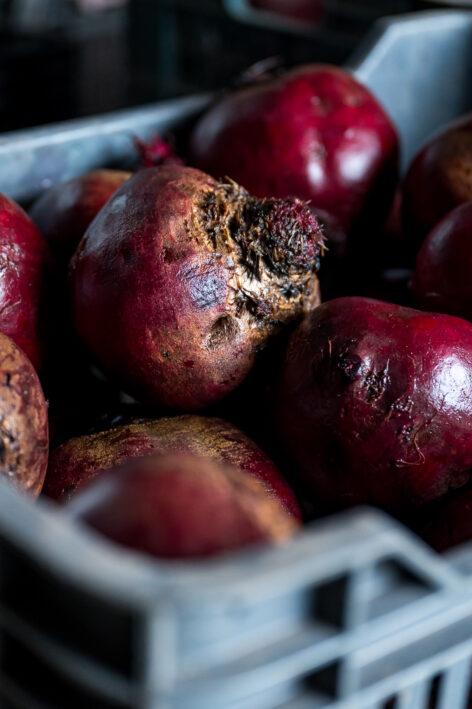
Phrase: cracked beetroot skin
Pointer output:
(439, 179)
(181, 279)
(376, 404)
(182, 507)
(77, 461)
(23, 420)
(442, 281)
(23, 258)
(314, 132)
(64, 211)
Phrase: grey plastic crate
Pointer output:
(356, 613)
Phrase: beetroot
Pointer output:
(376, 404)
(442, 280)
(316, 133)
(63, 212)
(23, 259)
(181, 279)
(78, 460)
(24, 420)
(451, 523)
(182, 507)
(439, 179)
(309, 11)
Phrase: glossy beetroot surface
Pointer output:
(376, 404)
(64, 211)
(315, 133)
(181, 279)
(23, 256)
(182, 507)
(24, 420)
(79, 460)
(439, 179)
(443, 275)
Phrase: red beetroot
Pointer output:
(23, 257)
(439, 179)
(64, 211)
(24, 420)
(79, 460)
(443, 275)
(181, 279)
(451, 522)
(309, 11)
(376, 404)
(314, 132)
(182, 507)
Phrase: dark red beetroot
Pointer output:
(63, 212)
(376, 404)
(443, 275)
(451, 522)
(439, 179)
(23, 420)
(181, 279)
(79, 460)
(181, 506)
(314, 132)
(302, 10)
(23, 259)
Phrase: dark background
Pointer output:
(61, 59)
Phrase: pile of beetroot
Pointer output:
(215, 371)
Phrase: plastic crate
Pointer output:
(356, 613)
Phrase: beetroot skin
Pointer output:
(442, 280)
(181, 279)
(439, 179)
(451, 523)
(24, 420)
(63, 212)
(23, 258)
(182, 507)
(376, 404)
(316, 133)
(79, 460)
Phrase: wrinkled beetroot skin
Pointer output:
(442, 280)
(182, 507)
(181, 279)
(439, 179)
(451, 523)
(23, 258)
(64, 211)
(376, 404)
(315, 133)
(79, 460)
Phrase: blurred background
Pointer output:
(61, 59)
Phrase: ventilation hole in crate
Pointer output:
(391, 585)
(330, 601)
(324, 681)
(42, 683)
(75, 619)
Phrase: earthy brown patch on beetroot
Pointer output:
(182, 507)
(79, 460)
(23, 420)
(181, 279)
